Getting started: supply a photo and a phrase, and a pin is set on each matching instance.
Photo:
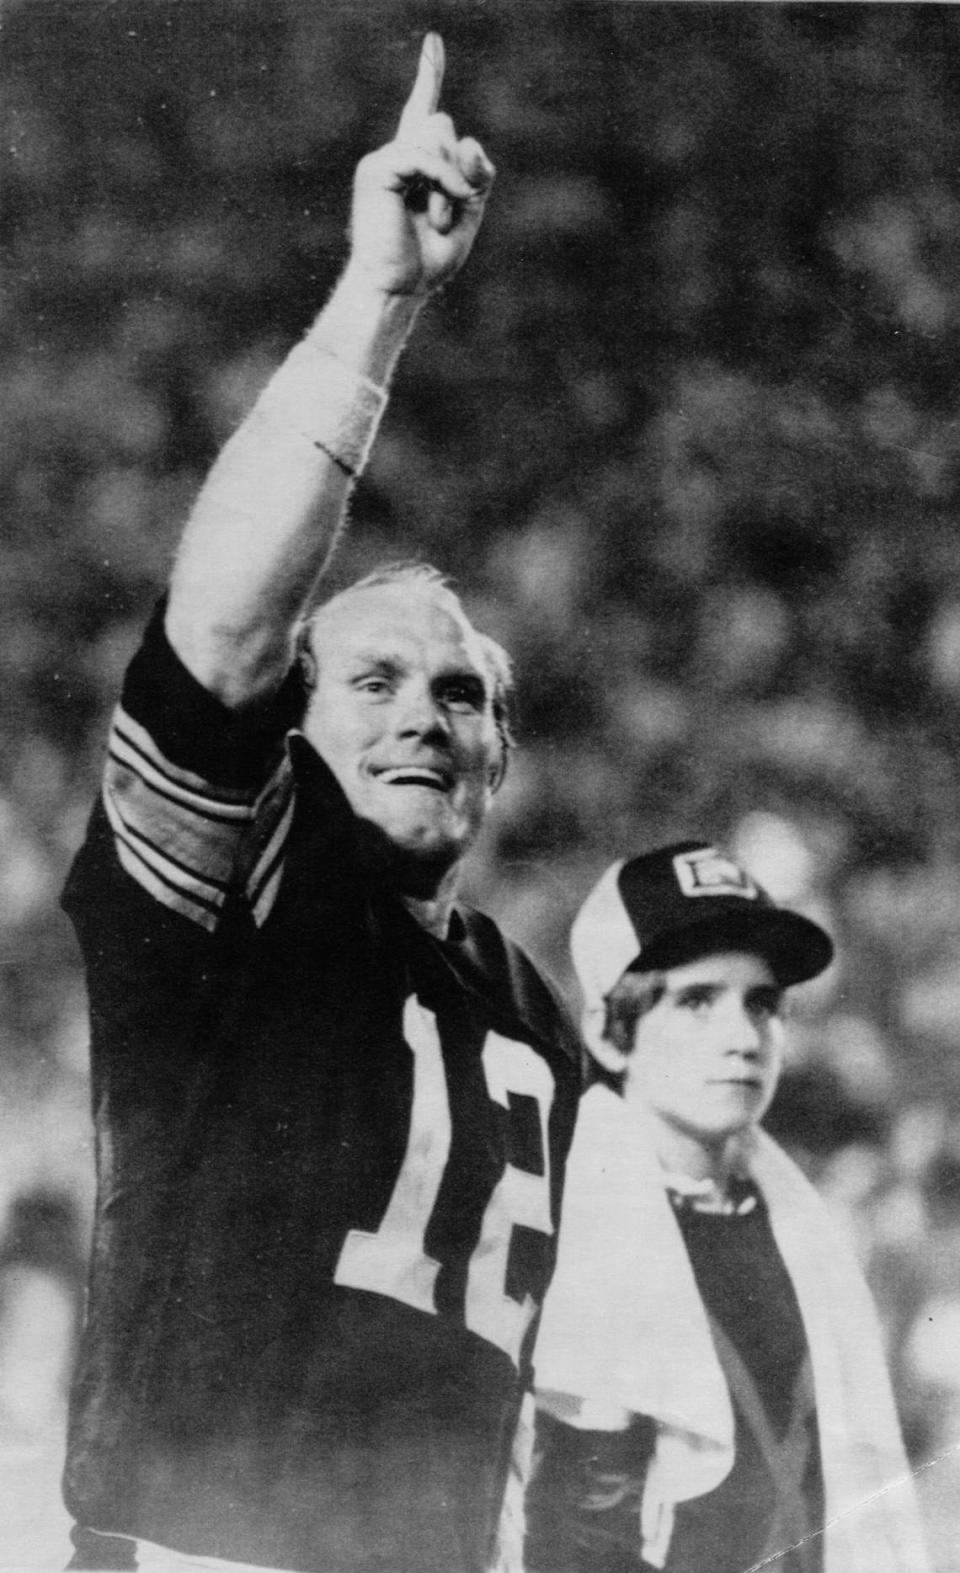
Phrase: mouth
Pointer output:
(432, 777)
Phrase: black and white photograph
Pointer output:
(480, 794)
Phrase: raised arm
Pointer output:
(268, 516)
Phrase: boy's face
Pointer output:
(707, 1057)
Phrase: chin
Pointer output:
(432, 837)
(415, 861)
(419, 869)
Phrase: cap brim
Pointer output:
(796, 948)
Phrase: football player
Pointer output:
(332, 1105)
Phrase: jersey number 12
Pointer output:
(392, 1260)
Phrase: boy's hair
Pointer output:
(630, 999)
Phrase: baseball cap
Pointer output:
(670, 906)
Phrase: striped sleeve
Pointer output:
(186, 842)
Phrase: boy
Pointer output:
(711, 1387)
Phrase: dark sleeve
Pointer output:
(582, 1505)
(197, 797)
(192, 728)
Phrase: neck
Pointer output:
(682, 1152)
(427, 889)
(434, 916)
(432, 910)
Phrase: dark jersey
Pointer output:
(330, 1151)
(583, 1505)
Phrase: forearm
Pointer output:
(268, 516)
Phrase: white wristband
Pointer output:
(332, 406)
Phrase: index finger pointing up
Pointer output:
(425, 94)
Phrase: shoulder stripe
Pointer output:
(155, 886)
(143, 740)
(188, 843)
(268, 894)
(146, 868)
(140, 754)
(272, 854)
(264, 862)
(155, 782)
(207, 848)
(167, 887)
(161, 856)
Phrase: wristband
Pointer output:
(334, 407)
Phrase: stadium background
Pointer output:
(686, 432)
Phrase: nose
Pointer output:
(419, 714)
(744, 1034)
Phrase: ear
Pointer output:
(497, 770)
(306, 657)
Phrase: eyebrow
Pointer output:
(462, 674)
(365, 660)
(718, 986)
(775, 992)
(395, 666)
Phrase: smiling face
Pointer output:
(402, 713)
(707, 1057)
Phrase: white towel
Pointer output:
(624, 1331)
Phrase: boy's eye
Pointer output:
(766, 1003)
(696, 998)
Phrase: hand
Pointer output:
(418, 202)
